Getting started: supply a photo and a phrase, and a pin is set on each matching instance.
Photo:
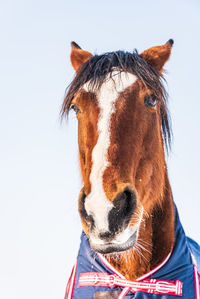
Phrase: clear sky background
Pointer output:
(39, 169)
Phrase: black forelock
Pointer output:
(98, 67)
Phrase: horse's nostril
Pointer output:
(90, 222)
(129, 202)
(124, 206)
(87, 218)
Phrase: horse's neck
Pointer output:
(163, 228)
(156, 239)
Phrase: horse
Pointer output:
(133, 244)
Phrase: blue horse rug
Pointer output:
(93, 277)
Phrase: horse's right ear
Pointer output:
(78, 56)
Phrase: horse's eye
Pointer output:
(150, 100)
(75, 108)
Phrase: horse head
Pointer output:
(123, 127)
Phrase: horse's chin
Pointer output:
(113, 246)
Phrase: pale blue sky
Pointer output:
(39, 172)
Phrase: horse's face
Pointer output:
(121, 156)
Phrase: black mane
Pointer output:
(98, 67)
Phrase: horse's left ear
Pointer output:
(157, 56)
(78, 56)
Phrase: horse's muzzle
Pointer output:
(115, 245)
(117, 234)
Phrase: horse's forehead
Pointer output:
(115, 83)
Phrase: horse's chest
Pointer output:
(176, 277)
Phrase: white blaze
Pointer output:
(96, 203)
